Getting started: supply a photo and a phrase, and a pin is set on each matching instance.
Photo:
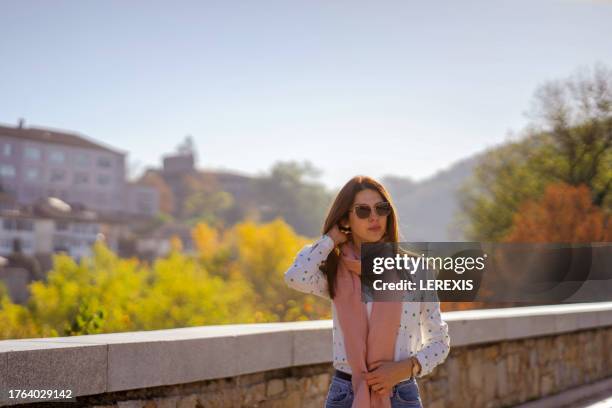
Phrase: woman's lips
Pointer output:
(374, 228)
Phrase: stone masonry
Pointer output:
(486, 375)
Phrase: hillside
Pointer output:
(426, 208)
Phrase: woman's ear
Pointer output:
(343, 224)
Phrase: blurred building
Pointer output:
(36, 163)
(141, 199)
(176, 168)
(180, 173)
(51, 225)
(16, 281)
(182, 162)
(158, 243)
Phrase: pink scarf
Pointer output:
(364, 345)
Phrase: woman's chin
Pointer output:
(373, 238)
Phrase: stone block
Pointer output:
(254, 394)
(189, 401)
(322, 382)
(274, 387)
(263, 351)
(175, 362)
(312, 347)
(131, 404)
(45, 364)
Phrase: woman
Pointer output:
(379, 348)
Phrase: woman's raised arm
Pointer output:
(304, 274)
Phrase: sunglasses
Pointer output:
(363, 210)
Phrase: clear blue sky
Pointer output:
(400, 87)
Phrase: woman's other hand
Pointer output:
(384, 375)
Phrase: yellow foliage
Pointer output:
(176, 245)
(206, 239)
(238, 278)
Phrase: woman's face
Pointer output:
(372, 228)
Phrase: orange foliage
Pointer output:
(565, 213)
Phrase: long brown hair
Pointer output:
(338, 213)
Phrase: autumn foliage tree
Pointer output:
(569, 142)
(555, 183)
(236, 276)
(564, 213)
(260, 254)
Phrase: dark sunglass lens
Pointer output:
(363, 211)
(383, 209)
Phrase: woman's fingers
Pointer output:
(372, 378)
(375, 365)
(380, 389)
(373, 381)
(377, 387)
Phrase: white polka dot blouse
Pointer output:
(422, 334)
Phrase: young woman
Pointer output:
(379, 348)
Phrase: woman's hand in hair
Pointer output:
(337, 236)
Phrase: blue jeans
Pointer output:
(404, 394)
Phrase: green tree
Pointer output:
(204, 200)
(290, 191)
(570, 141)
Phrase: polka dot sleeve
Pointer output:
(434, 332)
(304, 273)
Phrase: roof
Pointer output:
(45, 135)
(55, 209)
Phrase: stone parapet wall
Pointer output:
(490, 375)
(498, 358)
(508, 373)
(304, 386)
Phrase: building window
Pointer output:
(101, 199)
(7, 170)
(85, 228)
(32, 153)
(57, 176)
(104, 162)
(18, 225)
(25, 225)
(81, 178)
(26, 245)
(7, 244)
(61, 225)
(82, 160)
(32, 174)
(145, 208)
(8, 149)
(104, 180)
(56, 156)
